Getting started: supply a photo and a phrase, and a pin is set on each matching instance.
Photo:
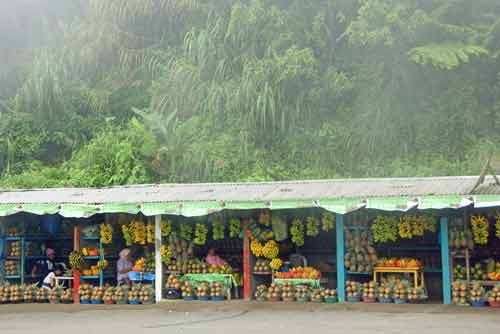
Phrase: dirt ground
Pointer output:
(247, 317)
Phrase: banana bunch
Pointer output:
(166, 227)
(405, 227)
(217, 229)
(150, 233)
(76, 260)
(270, 249)
(234, 227)
(297, 232)
(327, 221)
(429, 222)
(166, 254)
(276, 263)
(480, 229)
(264, 218)
(312, 227)
(200, 234)
(256, 247)
(497, 224)
(127, 235)
(106, 232)
(137, 230)
(417, 226)
(186, 231)
(385, 229)
(102, 264)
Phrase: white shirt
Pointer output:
(48, 279)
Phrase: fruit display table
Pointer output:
(314, 283)
(228, 279)
(396, 270)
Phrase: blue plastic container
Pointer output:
(217, 298)
(134, 302)
(96, 302)
(478, 304)
(385, 300)
(135, 275)
(84, 301)
(188, 299)
(352, 299)
(400, 301)
(149, 277)
(204, 298)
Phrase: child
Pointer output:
(50, 280)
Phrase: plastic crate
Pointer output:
(149, 277)
(134, 302)
(96, 302)
(385, 300)
(204, 298)
(478, 304)
(188, 299)
(135, 275)
(217, 298)
(352, 299)
(331, 300)
(400, 301)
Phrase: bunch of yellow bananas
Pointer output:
(497, 225)
(150, 233)
(137, 230)
(106, 232)
(405, 225)
(480, 229)
(270, 249)
(256, 247)
(328, 221)
(166, 253)
(276, 263)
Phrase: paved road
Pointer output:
(240, 317)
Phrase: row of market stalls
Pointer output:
(369, 240)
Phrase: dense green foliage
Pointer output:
(111, 92)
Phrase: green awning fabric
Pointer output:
(202, 208)
(342, 206)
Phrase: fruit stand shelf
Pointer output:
(359, 273)
(12, 238)
(267, 273)
(11, 277)
(47, 237)
(411, 249)
(416, 272)
(37, 257)
(90, 238)
(357, 227)
(91, 257)
(13, 257)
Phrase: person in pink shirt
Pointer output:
(214, 259)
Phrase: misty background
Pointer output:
(105, 92)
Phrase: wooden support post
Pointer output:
(158, 262)
(247, 291)
(76, 273)
(339, 229)
(445, 260)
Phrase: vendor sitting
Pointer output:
(298, 260)
(123, 267)
(44, 267)
(49, 281)
(214, 259)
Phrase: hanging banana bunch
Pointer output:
(138, 232)
(405, 225)
(166, 227)
(312, 227)
(106, 232)
(127, 235)
(327, 221)
(234, 227)
(497, 224)
(150, 233)
(200, 234)
(186, 231)
(480, 229)
(217, 229)
(297, 232)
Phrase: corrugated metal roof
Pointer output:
(263, 191)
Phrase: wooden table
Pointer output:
(416, 272)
